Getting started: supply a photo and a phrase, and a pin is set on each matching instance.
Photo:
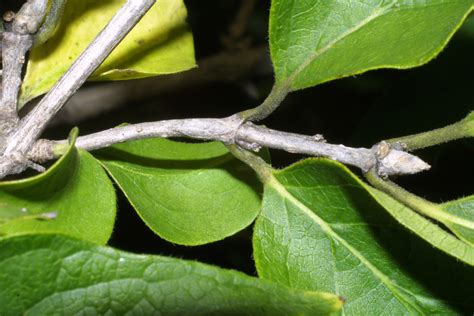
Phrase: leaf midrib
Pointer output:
(318, 52)
(379, 12)
(466, 254)
(276, 185)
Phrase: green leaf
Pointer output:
(468, 28)
(76, 189)
(317, 41)
(8, 212)
(463, 208)
(11, 212)
(63, 276)
(470, 124)
(188, 194)
(457, 216)
(321, 230)
(428, 231)
(159, 44)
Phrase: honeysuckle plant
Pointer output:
(325, 240)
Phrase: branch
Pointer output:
(31, 127)
(269, 105)
(14, 48)
(234, 131)
(387, 160)
(255, 162)
(16, 42)
(458, 130)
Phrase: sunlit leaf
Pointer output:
(160, 43)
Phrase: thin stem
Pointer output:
(415, 202)
(15, 44)
(31, 127)
(14, 49)
(232, 130)
(271, 103)
(461, 129)
(362, 158)
(255, 162)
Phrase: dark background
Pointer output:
(355, 111)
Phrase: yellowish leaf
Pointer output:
(160, 43)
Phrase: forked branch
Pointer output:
(29, 129)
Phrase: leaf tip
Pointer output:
(73, 135)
